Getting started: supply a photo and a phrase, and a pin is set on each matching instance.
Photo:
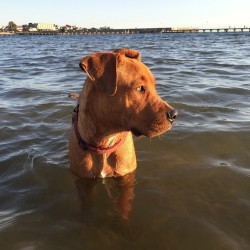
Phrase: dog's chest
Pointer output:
(103, 174)
(106, 169)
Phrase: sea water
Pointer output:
(191, 189)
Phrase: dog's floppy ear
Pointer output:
(129, 53)
(101, 67)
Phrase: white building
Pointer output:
(46, 26)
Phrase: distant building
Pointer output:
(32, 29)
(19, 28)
(68, 27)
(46, 26)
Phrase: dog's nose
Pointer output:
(172, 114)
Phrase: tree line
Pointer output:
(11, 26)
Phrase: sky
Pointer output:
(128, 13)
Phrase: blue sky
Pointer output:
(128, 13)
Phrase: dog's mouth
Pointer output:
(152, 133)
(136, 132)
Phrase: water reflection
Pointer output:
(120, 192)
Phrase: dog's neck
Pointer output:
(97, 139)
(93, 132)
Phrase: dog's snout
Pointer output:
(172, 114)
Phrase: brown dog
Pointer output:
(118, 97)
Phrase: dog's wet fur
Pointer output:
(118, 96)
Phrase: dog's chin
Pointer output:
(151, 133)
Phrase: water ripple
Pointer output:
(189, 176)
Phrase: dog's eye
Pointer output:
(141, 89)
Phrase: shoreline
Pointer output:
(7, 33)
(129, 31)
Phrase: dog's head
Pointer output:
(124, 91)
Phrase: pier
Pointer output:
(226, 30)
(203, 30)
